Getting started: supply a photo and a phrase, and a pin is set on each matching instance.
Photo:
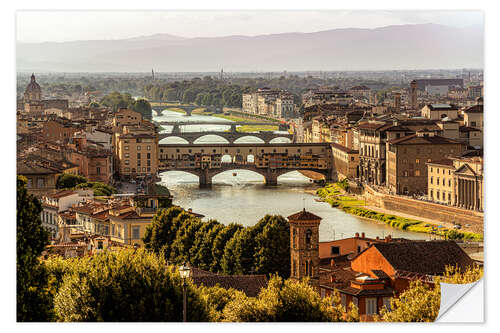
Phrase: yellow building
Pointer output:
(135, 144)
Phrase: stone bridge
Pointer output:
(231, 136)
(269, 160)
(188, 109)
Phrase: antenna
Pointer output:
(304, 203)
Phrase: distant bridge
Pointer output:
(188, 109)
(269, 160)
(231, 136)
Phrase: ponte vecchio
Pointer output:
(269, 160)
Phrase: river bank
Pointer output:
(335, 194)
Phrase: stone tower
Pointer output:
(304, 247)
(413, 94)
(397, 101)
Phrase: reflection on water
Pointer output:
(241, 196)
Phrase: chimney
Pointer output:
(332, 278)
(332, 262)
(357, 234)
(388, 238)
(362, 235)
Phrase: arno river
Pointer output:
(240, 196)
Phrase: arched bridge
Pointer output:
(269, 160)
(231, 136)
(188, 109)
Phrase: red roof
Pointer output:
(303, 216)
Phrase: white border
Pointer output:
(492, 24)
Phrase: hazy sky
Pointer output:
(40, 26)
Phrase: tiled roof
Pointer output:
(424, 257)
(414, 139)
(475, 109)
(445, 161)
(343, 148)
(303, 216)
(61, 194)
(249, 284)
(367, 292)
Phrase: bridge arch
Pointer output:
(280, 139)
(309, 174)
(235, 171)
(171, 139)
(250, 136)
(192, 173)
(210, 136)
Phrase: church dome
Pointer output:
(33, 86)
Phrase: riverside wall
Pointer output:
(424, 209)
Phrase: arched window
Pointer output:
(308, 237)
(310, 268)
(307, 267)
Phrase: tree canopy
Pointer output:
(33, 300)
(126, 286)
(67, 180)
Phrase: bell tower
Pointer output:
(304, 247)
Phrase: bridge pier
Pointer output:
(176, 129)
(271, 178)
(205, 179)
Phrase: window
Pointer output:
(149, 162)
(430, 194)
(127, 155)
(355, 301)
(444, 181)
(135, 232)
(29, 182)
(139, 147)
(473, 123)
(40, 182)
(99, 245)
(113, 231)
(294, 267)
(149, 155)
(371, 306)
(417, 161)
(432, 180)
(127, 162)
(334, 250)
(449, 182)
(138, 156)
(343, 300)
(387, 303)
(308, 238)
(148, 147)
(126, 147)
(294, 238)
(98, 170)
(449, 197)
(417, 172)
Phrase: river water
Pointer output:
(240, 195)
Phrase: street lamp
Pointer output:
(184, 273)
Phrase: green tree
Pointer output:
(160, 234)
(100, 189)
(93, 105)
(33, 299)
(286, 301)
(171, 95)
(217, 298)
(144, 108)
(272, 253)
(184, 239)
(239, 252)
(201, 252)
(421, 301)
(126, 286)
(67, 180)
(219, 245)
(189, 95)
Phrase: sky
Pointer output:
(61, 26)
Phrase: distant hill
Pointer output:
(420, 46)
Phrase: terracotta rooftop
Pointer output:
(424, 257)
(445, 161)
(303, 216)
(61, 194)
(414, 139)
(249, 284)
